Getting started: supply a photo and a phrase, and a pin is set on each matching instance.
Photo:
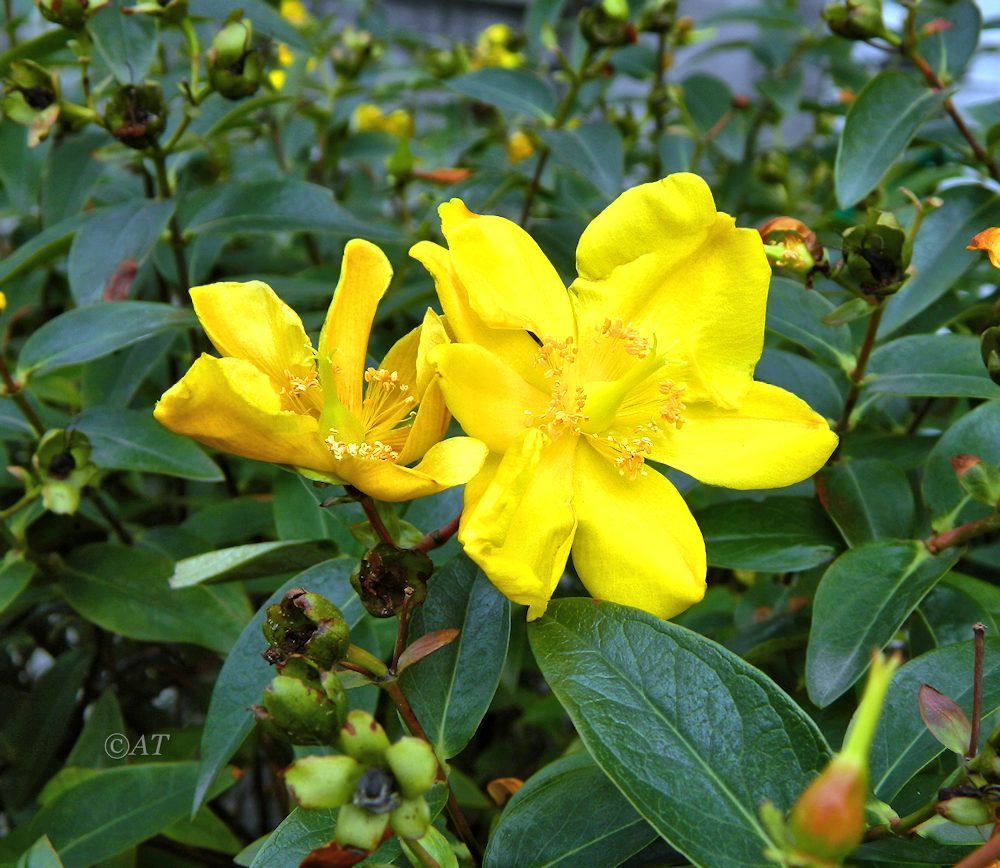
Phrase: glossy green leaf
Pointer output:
(451, 689)
(939, 254)
(710, 103)
(245, 673)
(903, 745)
(776, 535)
(868, 499)
(100, 247)
(41, 248)
(15, 576)
(298, 514)
(125, 43)
(796, 313)
(862, 600)
(125, 590)
(114, 380)
(955, 36)
(266, 19)
(70, 174)
(102, 718)
(880, 123)
(976, 433)
(250, 561)
(536, 828)
(115, 809)
(514, 91)
(206, 831)
(301, 832)
(92, 332)
(41, 855)
(134, 440)
(595, 151)
(669, 716)
(940, 366)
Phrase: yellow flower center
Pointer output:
(387, 411)
(607, 390)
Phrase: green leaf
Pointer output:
(206, 831)
(279, 205)
(939, 366)
(776, 535)
(114, 380)
(903, 745)
(266, 19)
(536, 828)
(92, 332)
(41, 855)
(939, 255)
(126, 43)
(41, 248)
(245, 673)
(513, 91)
(250, 561)
(862, 600)
(953, 45)
(115, 809)
(101, 246)
(134, 440)
(125, 590)
(451, 689)
(298, 514)
(15, 576)
(595, 151)
(976, 433)
(70, 174)
(102, 718)
(710, 103)
(667, 714)
(301, 832)
(868, 499)
(879, 125)
(796, 313)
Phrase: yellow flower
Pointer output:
(988, 240)
(3, 302)
(494, 47)
(369, 118)
(294, 12)
(273, 398)
(519, 146)
(648, 356)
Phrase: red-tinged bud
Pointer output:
(980, 479)
(828, 820)
(791, 244)
(944, 719)
(443, 176)
(965, 808)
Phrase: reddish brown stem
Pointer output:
(963, 533)
(858, 374)
(404, 619)
(439, 536)
(978, 636)
(13, 390)
(371, 513)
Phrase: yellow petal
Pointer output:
(230, 404)
(449, 463)
(661, 258)
(249, 321)
(773, 439)
(429, 425)
(518, 521)
(343, 343)
(988, 240)
(511, 284)
(433, 333)
(402, 358)
(490, 399)
(636, 542)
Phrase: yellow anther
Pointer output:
(672, 409)
(632, 342)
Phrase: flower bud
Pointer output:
(136, 115)
(363, 738)
(987, 761)
(657, 16)
(988, 240)
(519, 146)
(235, 68)
(63, 466)
(357, 827)
(855, 19)
(413, 764)
(498, 46)
(980, 480)
(944, 719)
(71, 14)
(792, 244)
(303, 704)
(323, 781)
(877, 254)
(356, 48)
(990, 349)
(29, 91)
(387, 575)
(411, 819)
(602, 29)
(964, 806)
(307, 624)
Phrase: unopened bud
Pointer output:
(855, 19)
(363, 738)
(657, 16)
(828, 820)
(136, 115)
(323, 781)
(877, 254)
(413, 764)
(303, 704)
(235, 68)
(965, 807)
(359, 828)
(990, 348)
(29, 90)
(980, 479)
(603, 30)
(63, 467)
(71, 14)
(388, 575)
(519, 146)
(307, 624)
(792, 244)
(411, 819)
(944, 719)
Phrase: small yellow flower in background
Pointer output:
(495, 46)
(369, 118)
(988, 240)
(3, 302)
(649, 355)
(274, 398)
(295, 13)
(519, 146)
